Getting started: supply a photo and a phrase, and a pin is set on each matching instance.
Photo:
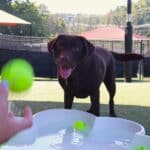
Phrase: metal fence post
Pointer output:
(128, 43)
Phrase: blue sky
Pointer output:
(82, 6)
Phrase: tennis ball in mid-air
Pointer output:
(141, 148)
(79, 125)
(19, 74)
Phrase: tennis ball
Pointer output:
(141, 148)
(19, 74)
(79, 125)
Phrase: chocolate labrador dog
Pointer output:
(82, 68)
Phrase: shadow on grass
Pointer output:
(134, 80)
(139, 114)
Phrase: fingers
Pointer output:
(10, 125)
(26, 122)
(17, 125)
(10, 114)
(27, 116)
(4, 90)
(4, 98)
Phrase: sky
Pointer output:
(82, 6)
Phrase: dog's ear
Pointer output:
(88, 46)
(51, 44)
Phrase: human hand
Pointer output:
(9, 125)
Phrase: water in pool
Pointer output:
(56, 138)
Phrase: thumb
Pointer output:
(27, 116)
(27, 120)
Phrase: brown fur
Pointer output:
(82, 68)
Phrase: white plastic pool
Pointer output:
(53, 130)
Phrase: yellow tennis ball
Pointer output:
(141, 148)
(80, 125)
(19, 74)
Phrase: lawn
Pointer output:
(132, 100)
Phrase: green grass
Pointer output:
(132, 100)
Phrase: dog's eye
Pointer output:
(56, 52)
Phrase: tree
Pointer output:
(6, 5)
(56, 25)
(43, 23)
(141, 16)
(116, 17)
(29, 12)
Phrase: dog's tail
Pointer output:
(127, 57)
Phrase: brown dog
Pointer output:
(82, 68)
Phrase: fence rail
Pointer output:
(139, 46)
(40, 44)
(23, 43)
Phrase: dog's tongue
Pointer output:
(65, 72)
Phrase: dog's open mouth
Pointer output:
(65, 72)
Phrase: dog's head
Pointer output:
(69, 51)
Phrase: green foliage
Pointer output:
(46, 24)
(29, 12)
(5, 5)
(56, 25)
(141, 12)
(116, 17)
(140, 16)
(39, 17)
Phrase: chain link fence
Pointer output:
(139, 46)
(23, 43)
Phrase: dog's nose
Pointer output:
(64, 61)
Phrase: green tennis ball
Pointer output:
(141, 148)
(19, 74)
(79, 125)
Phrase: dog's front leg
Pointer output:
(68, 99)
(95, 106)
